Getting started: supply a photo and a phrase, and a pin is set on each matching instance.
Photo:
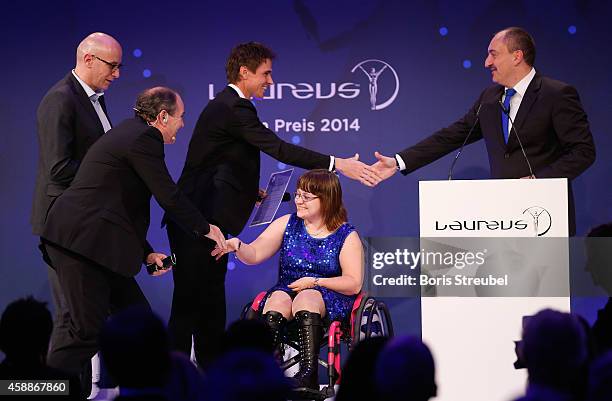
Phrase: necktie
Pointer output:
(98, 108)
(509, 93)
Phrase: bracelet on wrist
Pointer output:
(316, 282)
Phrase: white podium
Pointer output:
(472, 337)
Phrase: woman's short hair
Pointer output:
(326, 186)
(152, 101)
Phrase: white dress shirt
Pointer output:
(93, 98)
(517, 98)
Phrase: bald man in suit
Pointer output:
(70, 118)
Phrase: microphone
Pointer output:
(507, 112)
(504, 109)
(450, 171)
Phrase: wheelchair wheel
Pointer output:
(250, 310)
(371, 320)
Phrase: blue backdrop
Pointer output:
(434, 52)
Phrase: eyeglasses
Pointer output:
(114, 66)
(303, 196)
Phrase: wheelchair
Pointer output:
(368, 318)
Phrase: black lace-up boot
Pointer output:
(310, 333)
(276, 322)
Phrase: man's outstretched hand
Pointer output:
(216, 235)
(353, 168)
(385, 167)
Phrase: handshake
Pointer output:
(370, 175)
(160, 263)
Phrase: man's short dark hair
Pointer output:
(25, 329)
(519, 39)
(152, 101)
(250, 54)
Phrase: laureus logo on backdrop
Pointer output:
(540, 217)
(542, 220)
(379, 92)
(372, 69)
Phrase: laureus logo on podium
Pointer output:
(373, 68)
(542, 220)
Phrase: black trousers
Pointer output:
(61, 326)
(91, 293)
(61, 320)
(198, 302)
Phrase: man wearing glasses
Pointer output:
(70, 118)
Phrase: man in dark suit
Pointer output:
(221, 176)
(547, 115)
(70, 118)
(95, 232)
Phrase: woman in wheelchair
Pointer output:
(320, 270)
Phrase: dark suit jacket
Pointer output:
(104, 214)
(551, 123)
(67, 126)
(221, 173)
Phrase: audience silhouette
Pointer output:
(600, 379)
(358, 372)
(246, 375)
(556, 353)
(25, 331)
(135, 347)
(405, 371)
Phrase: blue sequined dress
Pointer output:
(304, 256)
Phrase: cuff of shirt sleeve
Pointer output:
(401, 166)
(332, 163)
(202, 230)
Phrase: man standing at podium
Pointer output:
(523, 112)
